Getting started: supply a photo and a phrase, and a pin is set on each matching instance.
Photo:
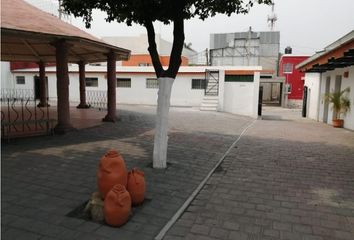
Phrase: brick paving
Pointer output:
(287, 178)
(45, 178)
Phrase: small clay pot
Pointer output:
(111, 171)
(136, 186)
(117, 206)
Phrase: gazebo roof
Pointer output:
(28, 34)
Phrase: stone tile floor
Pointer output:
(45, 178)
(287, 178)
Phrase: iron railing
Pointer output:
(20, 116)
(97, 99)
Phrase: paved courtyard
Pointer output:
(287, 178)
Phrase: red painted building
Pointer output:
(294, 79)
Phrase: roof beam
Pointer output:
(31, 49)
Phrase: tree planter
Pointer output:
(111, 171)
(338, 123)
(136, 186)
(117, 206)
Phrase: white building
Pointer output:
(229, 89)
(330, 70)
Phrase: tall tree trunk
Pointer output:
(166, 79)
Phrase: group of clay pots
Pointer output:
(118, 189)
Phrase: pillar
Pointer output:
(83, 103)
(42, 86)
(64, 124)
(111, 88)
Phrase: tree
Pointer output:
(145, 13)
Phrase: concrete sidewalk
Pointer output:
(287, 178)
(45, 178)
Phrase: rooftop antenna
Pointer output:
(272, 18)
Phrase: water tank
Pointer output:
(288, 50)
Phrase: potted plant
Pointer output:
(340, 105)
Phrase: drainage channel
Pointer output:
(180, 211)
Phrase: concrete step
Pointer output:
(202, 108)
(204, 104)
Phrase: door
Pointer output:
(37, 88)
(260, 99)
(337, 87)
(304, 103)
(326, 104)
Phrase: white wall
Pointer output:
(346, 82)
(242, 97)
(312, 81)
(182, 92)
(6, 76)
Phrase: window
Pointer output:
(20, 80)
(198, 83)
(124, 82)
(91, 82)
(239, 78)
(288, 68)
(152, 83)
(144, 64)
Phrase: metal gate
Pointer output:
(212, 82)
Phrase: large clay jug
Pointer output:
(117, 206)
(111, 171)
(136, 186)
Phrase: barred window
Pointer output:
(91, 82)
(20, 80)
(124, 82)
(198, 83)
(288, 68)
(239, 78)
(152, 83)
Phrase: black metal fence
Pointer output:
(20, 115)
(97, 99)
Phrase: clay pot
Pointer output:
(136, 186)
(117, 206)
(338, 123)
(111, 171)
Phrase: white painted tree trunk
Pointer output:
(161, 129)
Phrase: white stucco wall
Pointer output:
(242, 97)
(312, 81)
(182, 92)
(6, 76)
(346, 82)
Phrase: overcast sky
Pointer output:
(305, 25)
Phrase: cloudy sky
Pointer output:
(306, 25)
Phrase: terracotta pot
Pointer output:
(136, 186)
(111, 171)
(117, 206)
(338, 123)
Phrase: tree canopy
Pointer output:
(140, 11)
(145, 12)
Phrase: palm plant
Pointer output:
(340, 101)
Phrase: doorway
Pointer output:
(326, 104)
(37, 89)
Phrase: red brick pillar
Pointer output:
(111, 88)
(83, 103)
(64, 124)
(42, 86)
